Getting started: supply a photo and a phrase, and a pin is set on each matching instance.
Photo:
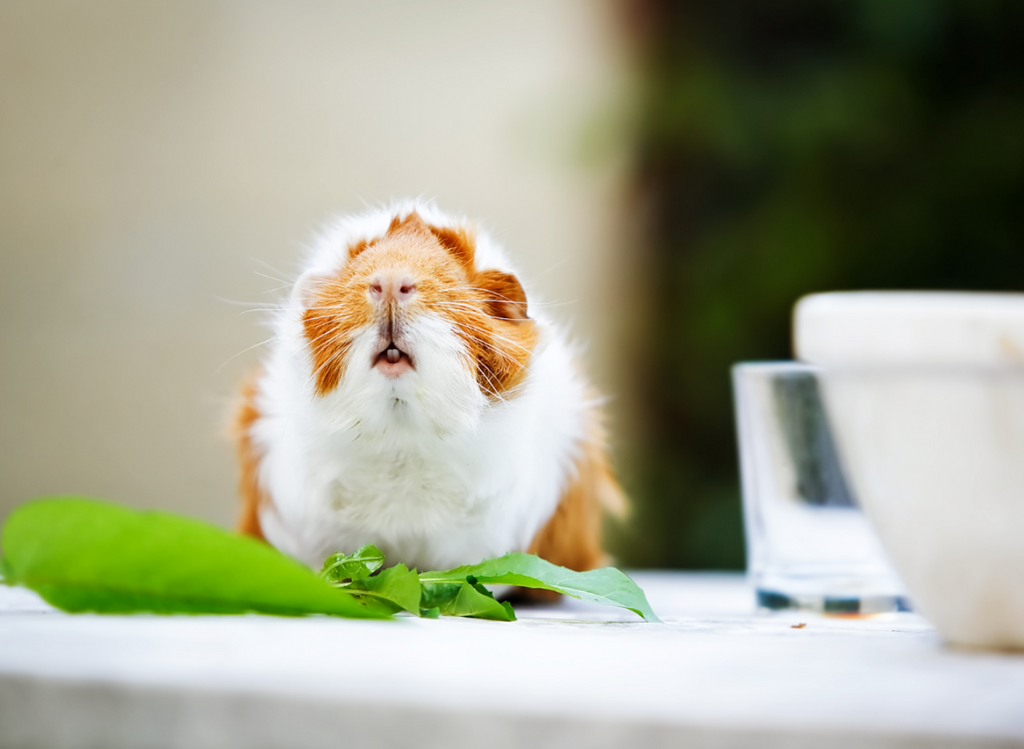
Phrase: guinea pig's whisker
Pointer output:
(273, 310)
(243, 351)
(316, 318)
(474, 309)
(332, 316)
(267, 267)
(491, 334)
(239, 303)
(494, 391)
(468, 304)
(488, 292)
(338, 305)
(491, 347)
(502, 354)
(469, 307)
(321, 307)
(285, 282)
(532, 303)
(322, 342)
(331, 360)
(277, 289)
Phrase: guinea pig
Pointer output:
(413, 398)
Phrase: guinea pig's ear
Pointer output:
(506, 298)
(459, 241)
(411, 224)
(306, 288)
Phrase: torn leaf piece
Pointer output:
(341, 567)
(466, 598)
(398, 586)
(473, 599)
(438, 595)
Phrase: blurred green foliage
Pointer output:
(794, 147)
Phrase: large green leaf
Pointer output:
(86, 555)
(607, 585)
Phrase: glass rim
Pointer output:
(781, 365)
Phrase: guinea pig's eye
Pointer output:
(506, 299)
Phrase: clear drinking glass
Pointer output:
(808, 544)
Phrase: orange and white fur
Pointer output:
(413, 399)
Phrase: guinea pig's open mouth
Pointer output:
(392, 361)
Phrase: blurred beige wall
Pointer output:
(161, 160)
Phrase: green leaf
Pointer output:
(436, 595)
(340, 567)
(609, 585)
(86, 555)
(466, 598)
(473, 599)
(397, 585)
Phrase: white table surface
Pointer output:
(716, 674)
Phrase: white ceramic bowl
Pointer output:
(925, 392)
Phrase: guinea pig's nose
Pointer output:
(399, 288)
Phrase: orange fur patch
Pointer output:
(459, 242)
(356, 247)
(249, 461)
(330, 325)
(488, 309)
(572, 537)
(500, 346)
